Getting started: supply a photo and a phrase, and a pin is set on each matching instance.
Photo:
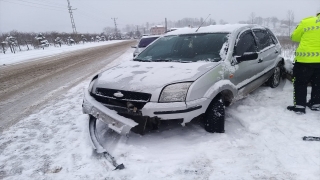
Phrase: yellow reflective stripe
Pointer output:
(294, 91)
(311, 28)
(307, 54)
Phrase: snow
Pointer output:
(149, 76)
(22, 56)
(262, 141)
(211, 29)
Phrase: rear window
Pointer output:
(144, 42)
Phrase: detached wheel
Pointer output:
(214, 117)
(274, 80)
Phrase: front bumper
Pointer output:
(164, 111)
(116, 122)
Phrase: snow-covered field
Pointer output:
(262, 141)
(18, 57)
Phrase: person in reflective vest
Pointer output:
(307, 65)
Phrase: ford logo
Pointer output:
(118, 94)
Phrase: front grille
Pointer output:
(127, 95)
(135, 99)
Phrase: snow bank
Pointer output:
(22, 56)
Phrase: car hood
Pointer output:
(149, 77)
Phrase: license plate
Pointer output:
(102, 116)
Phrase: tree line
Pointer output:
(30, 37)
(282, 26)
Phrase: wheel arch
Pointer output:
(224, 89)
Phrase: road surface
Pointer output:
(27, 86)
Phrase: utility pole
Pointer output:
(71, 17)
(166, 25)
(115, 27)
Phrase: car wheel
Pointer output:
(274, 80)
(215, 117)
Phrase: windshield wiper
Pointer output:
(162, 60)
(180, 61)
(142, 60)
(171, 60)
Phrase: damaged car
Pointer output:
(185, 74)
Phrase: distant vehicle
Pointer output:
(143, 43)
(184, 75)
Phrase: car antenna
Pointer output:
(202, 23)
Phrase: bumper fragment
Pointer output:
(114, 121)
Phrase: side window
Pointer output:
(245, 44)
(273, 37)
(263, 38)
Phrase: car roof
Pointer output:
(150, 36)
(227, 28)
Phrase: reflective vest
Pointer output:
(308, 34)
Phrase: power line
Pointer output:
(48, 1)
(52, 6)
(33, 6)
(90, 16)
(85, 15)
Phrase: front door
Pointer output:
(245, 71)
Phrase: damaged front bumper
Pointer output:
(163, 111)
(114, 121)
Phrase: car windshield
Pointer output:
(144, 42)
(185, 48)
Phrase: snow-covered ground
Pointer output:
(262, 141)
(22, 56)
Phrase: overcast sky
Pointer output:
(93, 15)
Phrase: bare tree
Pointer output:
(222, 22)
(290, 19)
(274, 21)
(267, 21)
(108, 30)
(252, 17)
(259, 20)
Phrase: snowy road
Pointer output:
(24, 87)
(262, 141)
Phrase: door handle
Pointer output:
(260, 60)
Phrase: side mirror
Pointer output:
(133, 46)
(247, 57)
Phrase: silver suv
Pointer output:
(185, 74)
